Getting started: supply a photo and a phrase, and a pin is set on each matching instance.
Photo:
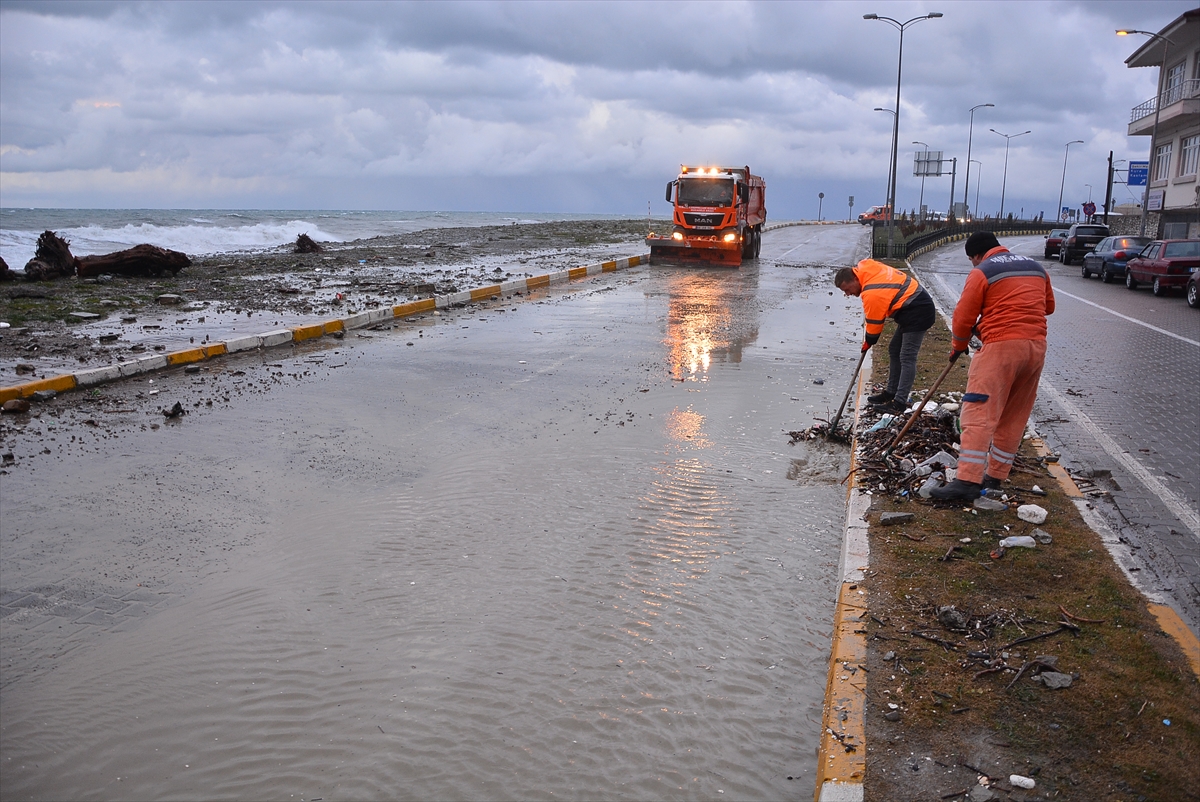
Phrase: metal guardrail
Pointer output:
(1182, 91)
(902, 250)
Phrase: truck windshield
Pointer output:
(705, 192)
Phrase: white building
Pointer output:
(1173, 201)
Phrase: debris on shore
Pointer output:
(306, 244)
(52, 259)
(140, 260)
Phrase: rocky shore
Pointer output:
(60, 325)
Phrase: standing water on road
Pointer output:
(552, 547)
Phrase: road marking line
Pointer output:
(1057, 291)
(1174, 503)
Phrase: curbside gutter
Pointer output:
(956, 237)
(269, 339)
(842, 756)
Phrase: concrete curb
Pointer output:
(842, 756)
(269, 339)
(774, 226)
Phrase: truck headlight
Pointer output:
(731, 236)
(677, 235)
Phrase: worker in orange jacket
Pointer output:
(1006, 299)
(887, 292)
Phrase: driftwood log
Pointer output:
(140, 260)
(52, 259)
(306, 244)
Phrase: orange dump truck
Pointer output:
(719, 215)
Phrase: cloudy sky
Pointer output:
(554, 106)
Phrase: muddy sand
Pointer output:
(60, 326)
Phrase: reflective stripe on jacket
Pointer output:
(884, 291)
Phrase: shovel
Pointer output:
(924, 400)
(854, 378)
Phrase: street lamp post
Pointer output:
(924, 169)
(970, 135)
(887, 189)
(1158, 93)
(900, 26)
(1063, 184)
(1004, 180)
(977, 182)
(820, 202)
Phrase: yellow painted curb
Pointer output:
(1173, 625)
(302, 333)
(577, 272)
(59, 384)
(842, 759)
(411, 308)
(484, 293)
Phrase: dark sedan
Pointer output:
(1166, 264)
(1111, 255)
(1054, 241)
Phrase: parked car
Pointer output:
(1166, 264)
(1081, 238)
(1054, 241)
(1192, 295)
(1110, 256)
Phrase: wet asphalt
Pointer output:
(550, 546)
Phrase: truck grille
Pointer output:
(703, 220)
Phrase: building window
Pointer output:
(1173, 86)
(1189, 155)
(1162, 162)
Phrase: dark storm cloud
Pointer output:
(253, 102)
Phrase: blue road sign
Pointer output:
(1139, 173)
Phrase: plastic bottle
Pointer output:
(1019, 541)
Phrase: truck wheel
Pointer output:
(757, 243)
(1130, 281)
(748, 244)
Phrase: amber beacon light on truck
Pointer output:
(718, 217)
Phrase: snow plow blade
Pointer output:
(694, 250)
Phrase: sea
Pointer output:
(200, 232)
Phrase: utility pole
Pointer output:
(1108, 192)
(953, 176)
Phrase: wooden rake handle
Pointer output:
(846, 397)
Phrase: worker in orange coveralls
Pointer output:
(1006, 300)
(887, 292)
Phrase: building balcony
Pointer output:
(1178, 101)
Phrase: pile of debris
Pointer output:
(53, 260)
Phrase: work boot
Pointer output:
(991, 482)
(880, 398)
(957, 490)
(894, 407)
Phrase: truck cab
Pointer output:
(718, 216)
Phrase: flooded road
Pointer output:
(555, 547)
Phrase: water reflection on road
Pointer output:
(564, 552)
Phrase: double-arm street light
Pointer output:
(970, 135)
(924, 168)
(1158, 93)
(900, 26)
(1004, 181)
(1059, 216)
